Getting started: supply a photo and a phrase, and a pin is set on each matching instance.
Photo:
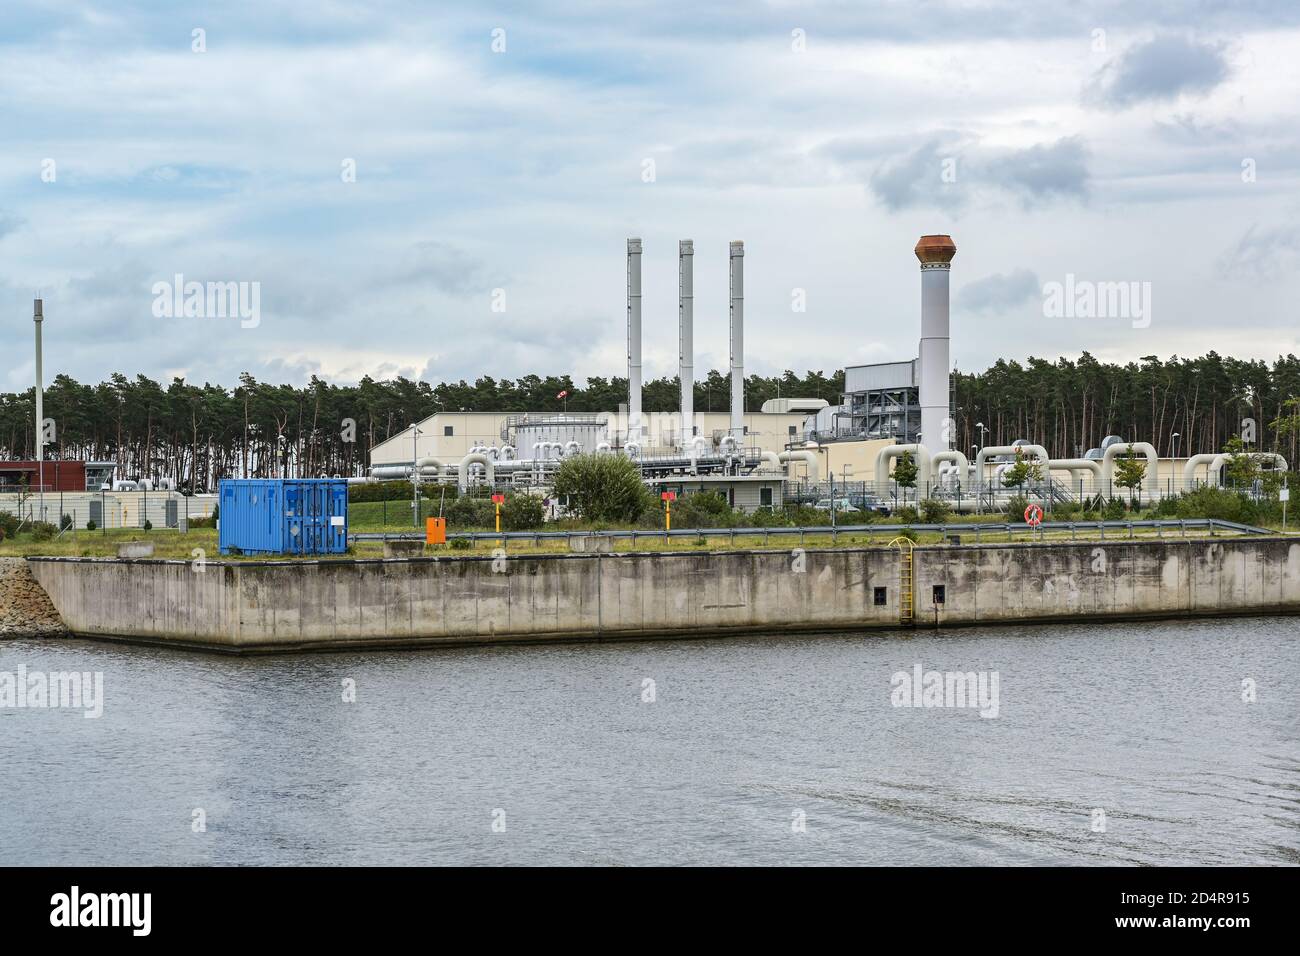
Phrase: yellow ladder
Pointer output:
(906, 601)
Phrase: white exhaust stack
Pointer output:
(634, 339)
(686, 335)
(935, 253)
(738, 340)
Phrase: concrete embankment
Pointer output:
(270, 606)
(25, 609)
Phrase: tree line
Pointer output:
(201, 433)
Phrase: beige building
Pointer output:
(449, 436)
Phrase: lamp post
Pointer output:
(38, 316)
(415, 474)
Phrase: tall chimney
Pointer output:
(634, 339)
(686, 335)
(738, 340)
(38, 317)
(935, 253)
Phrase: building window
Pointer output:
(792, 430)
(882, 597)
(745, 430)
(446, 431)
(938, 594)
(765, 497)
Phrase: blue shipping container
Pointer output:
(284, 516)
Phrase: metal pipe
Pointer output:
(634, 337)
(737, 273)
(475, 458)
(38, 317)
(920, 453)
(1038, 451)
(686, 335)
(809, 457)
(1142, 447)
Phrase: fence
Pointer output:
(989, 530)
(108, 509)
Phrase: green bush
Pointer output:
(1016, 506)
(1115, 510)
(65, 522)
(1066, 511)
(8, 523)
(1223, 505)
(522, 513)
(935, 512)
(43, 531)
(148, 525)
(906, 515)
(806, 516)
(90, 525)
(603, 488)
(704, 509)
(460, 544)
(469, 512)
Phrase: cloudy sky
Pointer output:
(515, 146)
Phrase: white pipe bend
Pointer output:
(920, 454)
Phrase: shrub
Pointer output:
(906, 515)
(469, 512)
(90, 525)
(704, 509)
(8, 523)
(65, 522)
(460, 544)
(603, 488)
(1066, 511)
(1220, 503)
(935, 512)
(1016, 506)
(43, 531)
(1115, 510)
(805, 516)
(522, 513)
(148, 525)
(2, 535)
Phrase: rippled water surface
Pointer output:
(1143, 721)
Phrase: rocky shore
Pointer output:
(25, 609)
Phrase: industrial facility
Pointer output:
(793, 449)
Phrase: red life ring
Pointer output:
(1034, 516)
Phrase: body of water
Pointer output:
(1115, 743)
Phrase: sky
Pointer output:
(445, 191)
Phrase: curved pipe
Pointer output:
(430, 467)
(700, 445)
(1196, 461)
(810, 457)
(1214, 474)
(604, 448)
(1141, 447)
(572, 448)
(1076, 467)
(475, 458)
(952, 458)
(633, 450)
(728, 440)
(507, 453)
(920, 453)
(771, 459)
(985, 453)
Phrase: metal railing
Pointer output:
(1122, 529)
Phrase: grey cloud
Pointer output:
(447, 268)
(915, 179)
(10, 224)
(1044, 171)
(1000, 291)
(1262, 253)
(1158, 69)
